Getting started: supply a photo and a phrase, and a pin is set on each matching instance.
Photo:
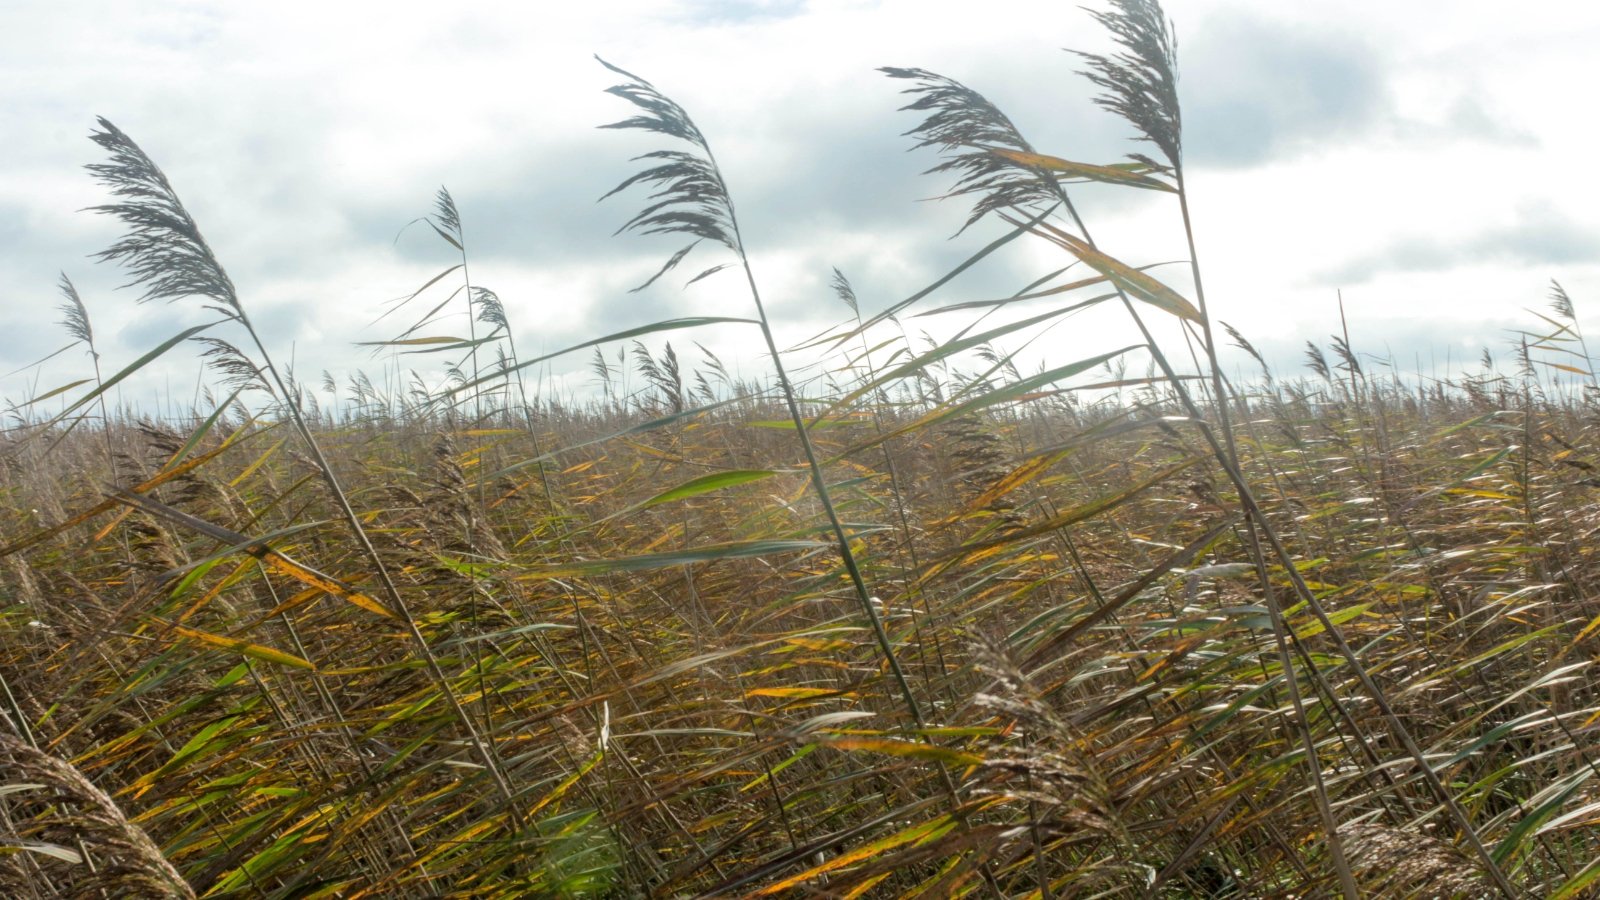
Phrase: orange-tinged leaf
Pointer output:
(1104, 503)
(1566, 368)
(820, 644)
(155, 481)
(328, 584)
(111, 525)
(566, 784)
(257, 547)
(1135, 282)
(216, 590)
(1492, 495)
(861, 889)
(415, 342)
(1139, 284)
(256, 464)
(1018, 477)
(1105, 174)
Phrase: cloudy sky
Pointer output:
(1429, 160)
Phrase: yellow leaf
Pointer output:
(908, 749)
(797, 693)
(248, 649)
(867, 851)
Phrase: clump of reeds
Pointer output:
(66, 837)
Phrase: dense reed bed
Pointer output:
(897, 619)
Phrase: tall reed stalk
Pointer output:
(693, 200)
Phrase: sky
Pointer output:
(1425, 161)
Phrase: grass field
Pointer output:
(901, 619)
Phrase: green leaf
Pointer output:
(735, 550)
(788, 424)
(65, 854)
(652, 328)
(273, 558)
(205, 427)
(942, 352)
(136, 365)
(1009, 393)
(1099, 505)
(1557, 795)
(51, 393)
(707, 483)
(1579, 882)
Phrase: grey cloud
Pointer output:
(667, 298)
(1538, 236)
(804, 171)
(818, 166)
(27, 341)
(254, 186)
(1256, 89)
(36, 243)
(530, 204)
(157, 323)
(1468, 117)
(857, 170)
(547, 212)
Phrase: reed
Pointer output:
(898, 616)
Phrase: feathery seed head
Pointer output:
(965, 127)
(163, 248)
(689, 196)
(1140, 84)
